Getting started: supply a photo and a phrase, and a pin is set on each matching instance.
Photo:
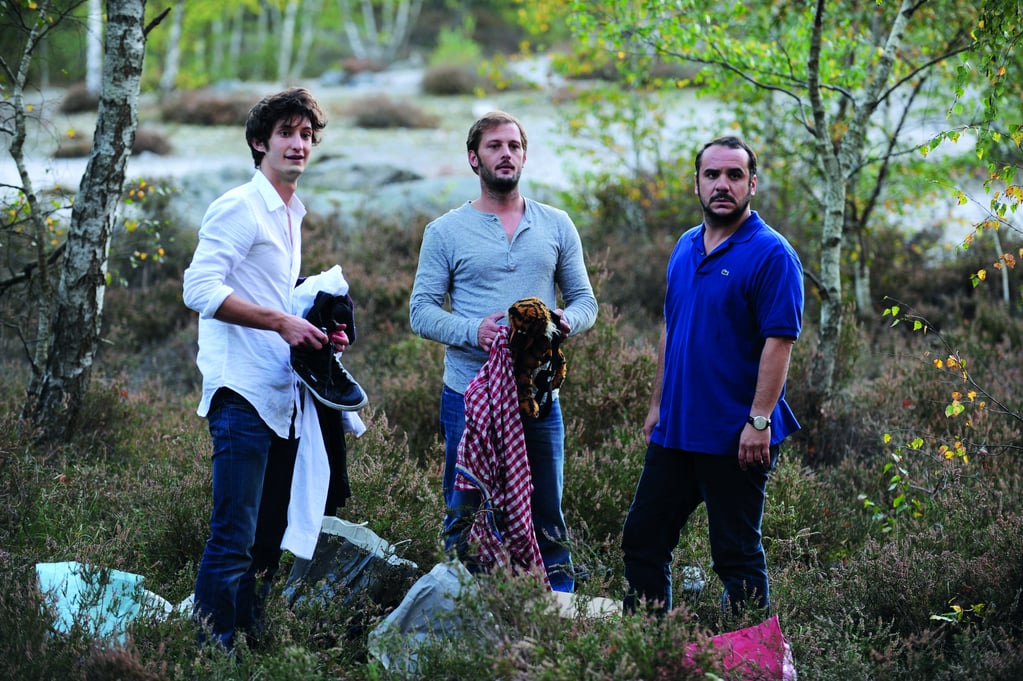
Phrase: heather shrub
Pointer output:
(862, 591)
(151, 141)
(404, 380)
(27, 645)
(446, 80)
(73, 147)
(207, 107)
(609, 379)
(383, 111)
(396, 494)
(600, 480)
(78, 100)
(508, 630)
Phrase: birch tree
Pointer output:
(172, 59)
(377, 32)
(28, 229)
(71, 313)
(94, 50)
(828, 67)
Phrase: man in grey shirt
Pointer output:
(475, 261)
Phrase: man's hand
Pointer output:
(563, 324)
(754, 447)
(339, 339)
(300, 333)
(652, 417)
(488, 330)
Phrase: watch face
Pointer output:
(760, 422)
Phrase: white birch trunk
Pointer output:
(57, 393)
(94, 49)
(237, 31)
(837, 167)
(173, 59)
(284, 54)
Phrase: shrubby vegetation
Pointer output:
(892, 555)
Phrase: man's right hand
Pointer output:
(488, 330)
(300, 333)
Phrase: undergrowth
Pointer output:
(862, 590)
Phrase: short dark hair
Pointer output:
(488, 121)
(287, 105)
(732, 142)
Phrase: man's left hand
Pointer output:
(754, 447)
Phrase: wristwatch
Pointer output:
(759, 422)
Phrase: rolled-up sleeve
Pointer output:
(224, 241)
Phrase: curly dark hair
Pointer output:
(296, 102)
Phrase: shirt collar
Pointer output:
(747, 229)
(273, 200)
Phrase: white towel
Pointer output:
(309, 484)
(311, 478)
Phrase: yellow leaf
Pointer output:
(982, 274)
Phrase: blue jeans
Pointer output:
(545, 449)
(673, 483)
(252, 471)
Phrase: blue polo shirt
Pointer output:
(719, 310)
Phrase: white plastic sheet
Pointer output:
(103, 601)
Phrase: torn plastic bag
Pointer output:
(350, 561)
(100, 600)
(430, 612)
(757, 653)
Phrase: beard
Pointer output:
(499, 185)
(715, 218)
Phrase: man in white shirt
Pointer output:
(240, 281)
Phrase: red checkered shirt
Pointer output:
(492, 459)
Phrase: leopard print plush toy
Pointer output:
(534, 342)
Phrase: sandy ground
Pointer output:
(214, 158)
(199, 150)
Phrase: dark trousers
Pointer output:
(673, 483)
(252, 471)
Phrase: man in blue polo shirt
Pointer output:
(732, 311)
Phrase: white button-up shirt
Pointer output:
(246, 248)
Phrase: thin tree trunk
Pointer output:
(56, 396)
(173, 59)
(309, 22)
(839, 158)
(284, 53)
(235, 49)
(40, 348)
(94, 49)
(218, 44)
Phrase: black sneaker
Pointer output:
(323, 374)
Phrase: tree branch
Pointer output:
(155, 22)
